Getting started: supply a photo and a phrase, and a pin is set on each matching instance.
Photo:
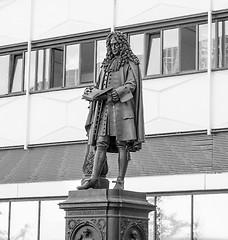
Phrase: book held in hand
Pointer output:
(95, 93)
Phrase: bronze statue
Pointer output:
(115, 121)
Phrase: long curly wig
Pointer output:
(126, 53)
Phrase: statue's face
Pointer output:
(115, 47)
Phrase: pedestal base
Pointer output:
(102, 214)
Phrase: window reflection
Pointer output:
(24, 220)
(210, 217)
(4, 74)
(17, 71)
(72, 65)
(137, 43)
(154, 55)
(4, 218)
(87, 62)
(101, 53)
(173, 216)
(52, 223)
(188, 48)
(170, 51)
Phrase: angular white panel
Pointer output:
(14, 18)
(186, 103)
(60, 115)
(13, 118)
(219, 5)
(219, 99)
(46, 117)
(145, 10)
(54, 18)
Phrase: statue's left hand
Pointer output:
(115, 96)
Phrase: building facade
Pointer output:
(50, 50)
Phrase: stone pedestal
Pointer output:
(102, 214)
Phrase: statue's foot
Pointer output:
(90, 183)
(119, 184)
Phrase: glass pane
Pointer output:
(24, 220)
(151, 223)
(52, 222)
(170, 51)
(16, 81)
(32, 71)
(87, 62)
(173, 218)
(72, 65)
(4, 218)
(188, 48)
(137, 43)
(203, 46)
(57, 77)
(47, 68)
(154, 56)
(226, 44)
(40, 70)
(101, 53)
(210, 217)
(4, 73)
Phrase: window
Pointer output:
(24, 220)
(16, 78)
(57, 67)
(87, 62)
(137, 44)
(170, 51)
(32, 71)
(72, 65)
(154, 54)
(4, 74)
(188, 48)
(4, 220)
(52, 222)
(101, 54)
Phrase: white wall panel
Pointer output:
(54, 18)
(57, 116)
(132, 12)
(12, 127)
(219, 5)
(219, 99)
(14, 18)
(175, 104)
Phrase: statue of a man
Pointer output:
(115, 121)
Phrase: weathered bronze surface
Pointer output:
(103, 214)
(115, 121)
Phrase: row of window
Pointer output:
(186, 217)
(161, 52)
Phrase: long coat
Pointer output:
(128, 111)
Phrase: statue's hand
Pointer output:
(88, 90)
(114, 95)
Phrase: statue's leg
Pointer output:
(99, 160)
(123, 163)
